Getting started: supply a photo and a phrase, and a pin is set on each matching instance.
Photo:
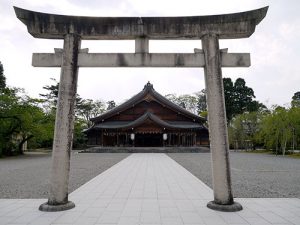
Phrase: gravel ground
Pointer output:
(253, 175)
(28, 176)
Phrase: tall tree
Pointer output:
(229, 95)
(201, 101)
(173, 98)
(85, 109)
(182, 105)
(186, 101)
(280, 129)
(50, 97)
(189, 102)
(2, 77)
(9, 122)
(110, 105)
(243, 130)
(239, 98)
(296, 99)
(36, 127)
(21, 120)
(88, 108)
(294, 119)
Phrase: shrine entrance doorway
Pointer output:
(149, 140)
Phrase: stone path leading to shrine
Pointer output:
(149, 188)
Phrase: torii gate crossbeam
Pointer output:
(208, 29)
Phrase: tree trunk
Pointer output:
(284, 146)
(293, 148)
(277, 145)
(20, 146)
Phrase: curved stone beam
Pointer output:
(227, 26)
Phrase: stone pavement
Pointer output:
(148, 188)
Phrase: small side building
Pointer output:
(148, 119)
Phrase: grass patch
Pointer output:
(39, 150)
(265, 151)
(288, 154)
(295, 155)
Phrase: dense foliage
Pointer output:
(251, 125)
(22, 120)
(239, 98)
(25, 120)
(277, 129)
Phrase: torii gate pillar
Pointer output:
(141, 29)
(64, 125)
(219, 147)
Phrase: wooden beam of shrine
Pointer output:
(140, 59)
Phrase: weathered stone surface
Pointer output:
(46, 207)
(234, 207)
(141, 59)
(142, 45)
(64, 123)
(217, 121)
(236, 25)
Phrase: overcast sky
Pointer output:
(275, 49)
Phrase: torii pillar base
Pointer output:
(234, 207)
(55, 208)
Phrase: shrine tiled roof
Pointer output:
(153, 118)
(148, 90)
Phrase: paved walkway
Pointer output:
(148, 188)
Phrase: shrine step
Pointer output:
(99, 149)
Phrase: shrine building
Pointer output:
(148, 119)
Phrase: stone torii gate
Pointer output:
(208, 29)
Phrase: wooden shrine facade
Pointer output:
(148, 120)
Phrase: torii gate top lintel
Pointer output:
(226, 26)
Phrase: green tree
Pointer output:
(36, 127)
(2, 77)
(201, 101)
(79, 138)
(189, 102)
(278, 128)
(239, 98)
(9, 123)
(110, 105)
(186, 101)
(244, 130)
(182, 105)
(88, 108)
(294, 124)
(296, 99)
(173, 98)
(229, 95)
(49, 99)
(21, 120)
(85, 109)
